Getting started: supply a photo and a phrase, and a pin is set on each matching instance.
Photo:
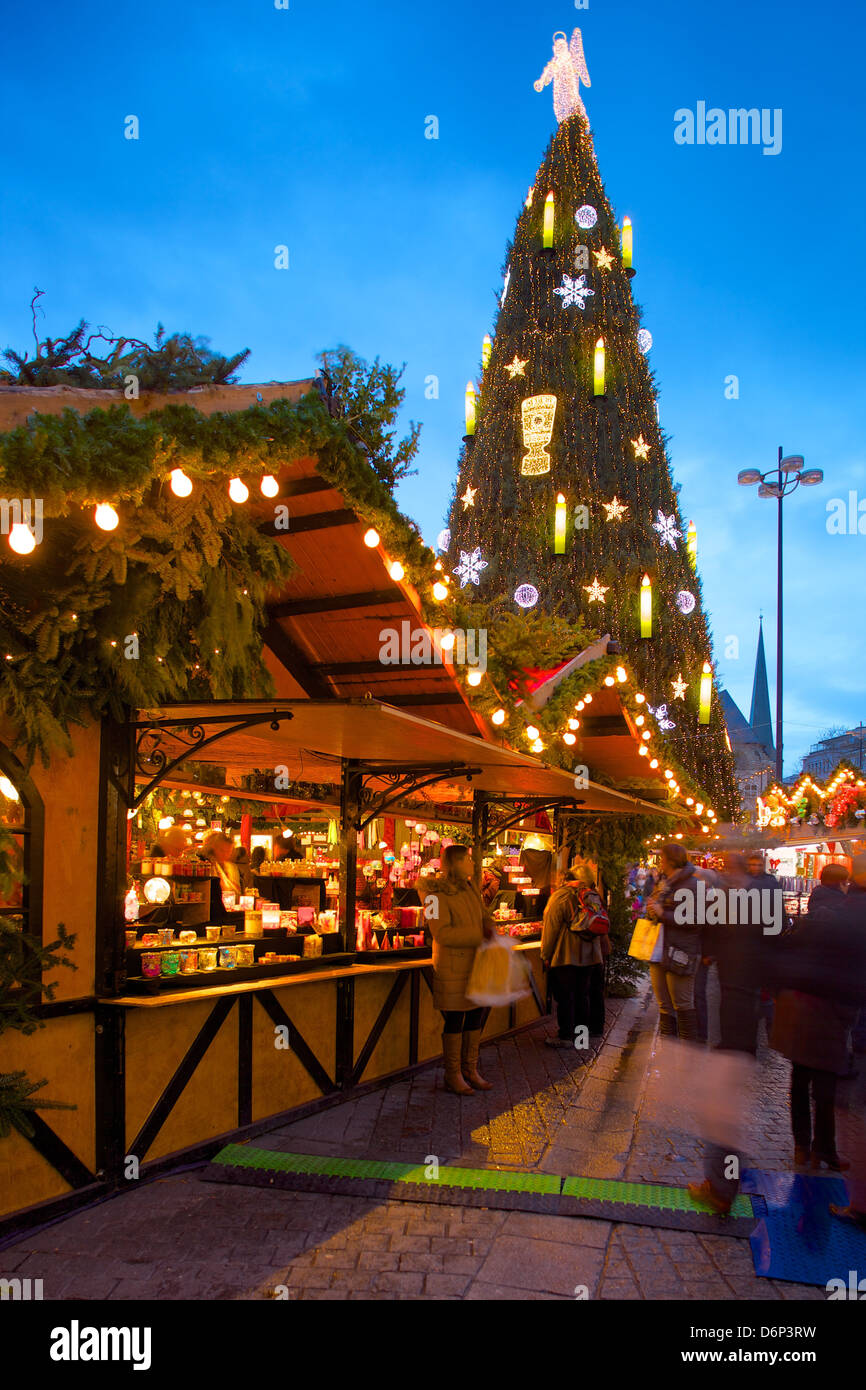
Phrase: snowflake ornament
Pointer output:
(685, 601)
(468, 498)
(586, 217)
(641, 448)
(660, 713)
(470, 567)
(603, 259)
(574, 291)
(667, 529)
(644, 339)
(517, 366)
(679, 687)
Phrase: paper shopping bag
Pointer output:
(646, 942)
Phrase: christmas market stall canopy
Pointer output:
(313, 740)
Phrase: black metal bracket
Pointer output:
(153, 762)
(401, 782)
(528, 806)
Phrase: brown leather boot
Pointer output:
(469, 1061)
(451, 1045)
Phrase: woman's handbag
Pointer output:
(679, 962)
(647, 941)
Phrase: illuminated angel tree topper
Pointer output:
(607, 456)
(566, 70)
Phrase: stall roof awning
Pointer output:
(255, 735)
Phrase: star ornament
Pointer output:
(679, 687)
(641, 448)
(615, 509)
(667, 529)
(468, 498)
(603, 259)
(516, 367)
(596, 591)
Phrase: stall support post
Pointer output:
(116, 792)
(480, 816)
(350, 815)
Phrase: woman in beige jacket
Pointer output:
(458, 922)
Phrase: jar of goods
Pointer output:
(289, 921)
(185, 937)
(131, 937)
(312, 946)
(146, 868)
(149, 938)
(150, 964)
(270, 916)
(227, 957)
(212, 933)
(253, 923)
(246, 955)
(166, 935)
(188, 962)
(207, 958)
(169, 963)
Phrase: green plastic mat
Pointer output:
(643, 1194)
(653, 1196)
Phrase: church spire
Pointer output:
(759, 715)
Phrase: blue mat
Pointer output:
(796, 1238)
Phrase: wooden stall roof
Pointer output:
(327, 622)
(312, 744)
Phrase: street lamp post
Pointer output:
(785, 478)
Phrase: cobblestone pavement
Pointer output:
(180, 1238)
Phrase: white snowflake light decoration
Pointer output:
(574, 291)
(660, 713)
(685, 601)
(667, 529)
(679, 687)
(644, 339)
(526, 596)
(596, 591)
(443, 540)
(586, 217)
(470, 567)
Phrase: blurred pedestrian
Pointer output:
(674, 904)
(459, 924)
(571, 953)
(826, 968)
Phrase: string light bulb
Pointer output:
(21, 539)
(474, 678)
(180, 484)
(105, 517)
(498, 717)
(238, 490)
(440, 591)
(531, 731)
(269, 485)
(396, 571)
(371, 538)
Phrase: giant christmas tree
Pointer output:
(565, 501)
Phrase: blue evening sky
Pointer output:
(306, 127)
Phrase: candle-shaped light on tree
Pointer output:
(598, 369)
(559, 526)
(706, 693)
(470, 408)
(486, 350)
(646, 607)
(692, 544)
(626, 242)
(547, 239)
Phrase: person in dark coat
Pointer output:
(571, 958)
(826, 955)
(674, 904)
